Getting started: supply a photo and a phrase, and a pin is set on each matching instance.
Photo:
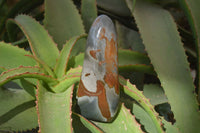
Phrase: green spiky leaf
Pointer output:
(192, 10)
(21, 6)
(61, 65)
(169, 127)
(144, 118)
(155, 93)
(137, 95)
(63, 22)
(17, 111)
(114, 6)
(88, 13)
(41, 44)
(25, 72)
(54, 110)
(124, 122)
(72, 76)
(28, 86)
(90, 126)
(129, 38)
(15, 56)
(165, 49)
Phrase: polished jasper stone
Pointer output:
(98, 92)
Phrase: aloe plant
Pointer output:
(39, 76)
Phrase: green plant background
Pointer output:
(42, 52)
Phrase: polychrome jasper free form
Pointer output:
(98, 92)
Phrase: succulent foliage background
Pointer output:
(42, 51)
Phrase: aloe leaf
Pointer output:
(155, 93)
(62, 62)
(127, 57)
(13, 56)
(132, 60)
(169, 127)
(72, 76)
(91, 127)
(63, 21)
(137, 68)
(144, 118)
(28, 84)
(43, 65)
(54, 110)
(137, 95)
(20, 7)
(129, 38)
(28, 87)
(25, 72)
(114, 6)
(146, 121)
(78, 125)
(41, 44)
(191, 8)
(88, 13)
(76, 61)
(124, 122)
(22, 41)
(17, 111)
(163, 44)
